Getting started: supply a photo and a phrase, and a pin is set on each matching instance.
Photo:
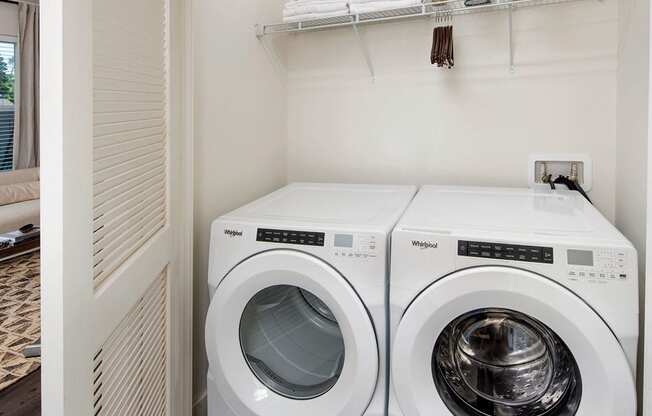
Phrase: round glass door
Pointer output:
(292, 342)
(495, 362)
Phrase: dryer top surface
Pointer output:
(330, 205)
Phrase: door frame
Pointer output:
(647, 313)
(181, 204)
(66, 216)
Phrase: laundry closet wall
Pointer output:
(632, 156)
(239, 128)
(474, 125)
(324, 120)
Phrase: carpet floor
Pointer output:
(20, 316)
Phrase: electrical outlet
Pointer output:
(560, 164)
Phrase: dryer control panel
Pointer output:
(305, 238)
(502, 251)
(596, 264)
(350, 245)
(355, 245)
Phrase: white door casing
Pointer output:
(116, 234)
(239, 387)
(607, 381)
(647, 346)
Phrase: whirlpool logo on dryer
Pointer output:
(233, 233)
(424, 245)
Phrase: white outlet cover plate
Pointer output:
(587, 184)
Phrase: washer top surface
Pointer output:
(508, 212)
(365, 207)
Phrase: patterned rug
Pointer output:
(20, 316)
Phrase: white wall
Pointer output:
(240, 130)
(475, 124)
(632, 127)
(8, 19)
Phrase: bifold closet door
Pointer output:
(116, 321)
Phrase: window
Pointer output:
(7, 101)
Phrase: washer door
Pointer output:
(502, 341)
(287, 334)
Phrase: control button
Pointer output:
(503, 251)
(582, 274)
(290, 237)
(572, 273)
(622, 276)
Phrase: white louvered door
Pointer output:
(115, 209)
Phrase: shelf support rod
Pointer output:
(510, 37)
(365, 52)
(279, 68)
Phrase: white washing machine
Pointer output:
(297, 320)
(511, 302)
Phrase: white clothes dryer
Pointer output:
(297, 320)
(511, 302)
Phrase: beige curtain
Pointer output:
(26, 126)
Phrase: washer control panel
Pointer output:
(502, 251)
(355, 245)
(601, 264)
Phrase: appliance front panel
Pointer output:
(287, 333)
(597, 274)
(498, 340)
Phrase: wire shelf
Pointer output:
(430, 9)
(434, 9)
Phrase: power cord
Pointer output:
(572, 185)
(579, 189)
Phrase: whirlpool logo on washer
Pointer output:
(233, 233)
(424, 245)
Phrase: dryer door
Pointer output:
(286, 334)
(503, 341)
